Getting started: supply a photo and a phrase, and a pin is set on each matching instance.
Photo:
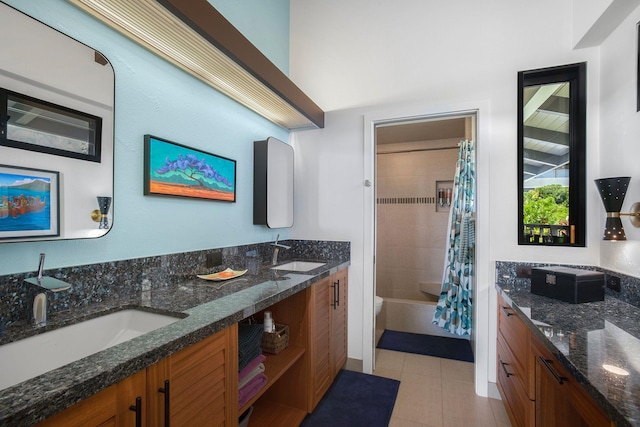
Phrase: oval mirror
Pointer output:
(551, 156)
(56, 134)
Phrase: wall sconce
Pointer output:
(612, 192)
(100, 215)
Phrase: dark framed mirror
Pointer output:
(552, 107)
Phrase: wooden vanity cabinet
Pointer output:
(328, 337)
(536, 390)
(122, 404)
(199, 384)
(515, 372)
(560, 400)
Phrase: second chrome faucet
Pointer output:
(276, 249)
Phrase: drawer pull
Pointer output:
(336, 295)
(507, 310)
(137, 408)
(547, 363)
(167, 402)
(504, 368)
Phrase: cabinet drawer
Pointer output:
(515, 337)
(520, 408)
(508, 364)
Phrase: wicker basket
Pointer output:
(275, 342)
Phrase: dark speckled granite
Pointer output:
(164, 284)
(507, 273)
(583, 337)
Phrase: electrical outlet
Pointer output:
(213, 259)
(613, 283)
(523, 271)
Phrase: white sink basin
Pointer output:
(33, 356)
(298, 266)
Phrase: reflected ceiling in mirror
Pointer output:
(551, 156)
(56, 116)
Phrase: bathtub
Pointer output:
(407, 315)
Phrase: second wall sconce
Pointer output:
(612, 191)
(100, 215)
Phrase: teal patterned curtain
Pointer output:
(454, 310)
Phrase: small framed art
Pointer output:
(29, 203)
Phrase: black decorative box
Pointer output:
(568, 284)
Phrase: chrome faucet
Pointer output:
(40, 310)
(276, 249)
(40, 300)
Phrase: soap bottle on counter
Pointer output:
(268, 322)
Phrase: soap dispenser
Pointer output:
(268, 322)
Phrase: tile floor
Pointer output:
(431, 392)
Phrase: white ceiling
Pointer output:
(432, 130)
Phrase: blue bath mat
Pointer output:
(429, 345)
(355, 400)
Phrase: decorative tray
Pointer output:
(223, 275)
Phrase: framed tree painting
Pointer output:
(172, 169)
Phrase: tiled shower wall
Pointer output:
(411, 233)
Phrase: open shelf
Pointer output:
(275, 366)
(276, 414)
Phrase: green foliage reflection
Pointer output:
(546, 205)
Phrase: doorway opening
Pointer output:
(414, 166)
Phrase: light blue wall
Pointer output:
(266, 26)
(157, 98)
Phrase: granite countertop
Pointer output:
(584, 337)
(206, 307)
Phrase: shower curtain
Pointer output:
(454, 309)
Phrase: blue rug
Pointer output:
(429, 345)
(355, 400)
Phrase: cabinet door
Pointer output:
(319, 341)
(97, 410)
(159, 393)
(560, 400)
(552, 403)
(113, 406)
(339, 321)
(132, 400)
(196, 386)
(204, 382)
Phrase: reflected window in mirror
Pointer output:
(551, 156)
(33, 124)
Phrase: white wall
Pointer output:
(361, 60)
(620, 137)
